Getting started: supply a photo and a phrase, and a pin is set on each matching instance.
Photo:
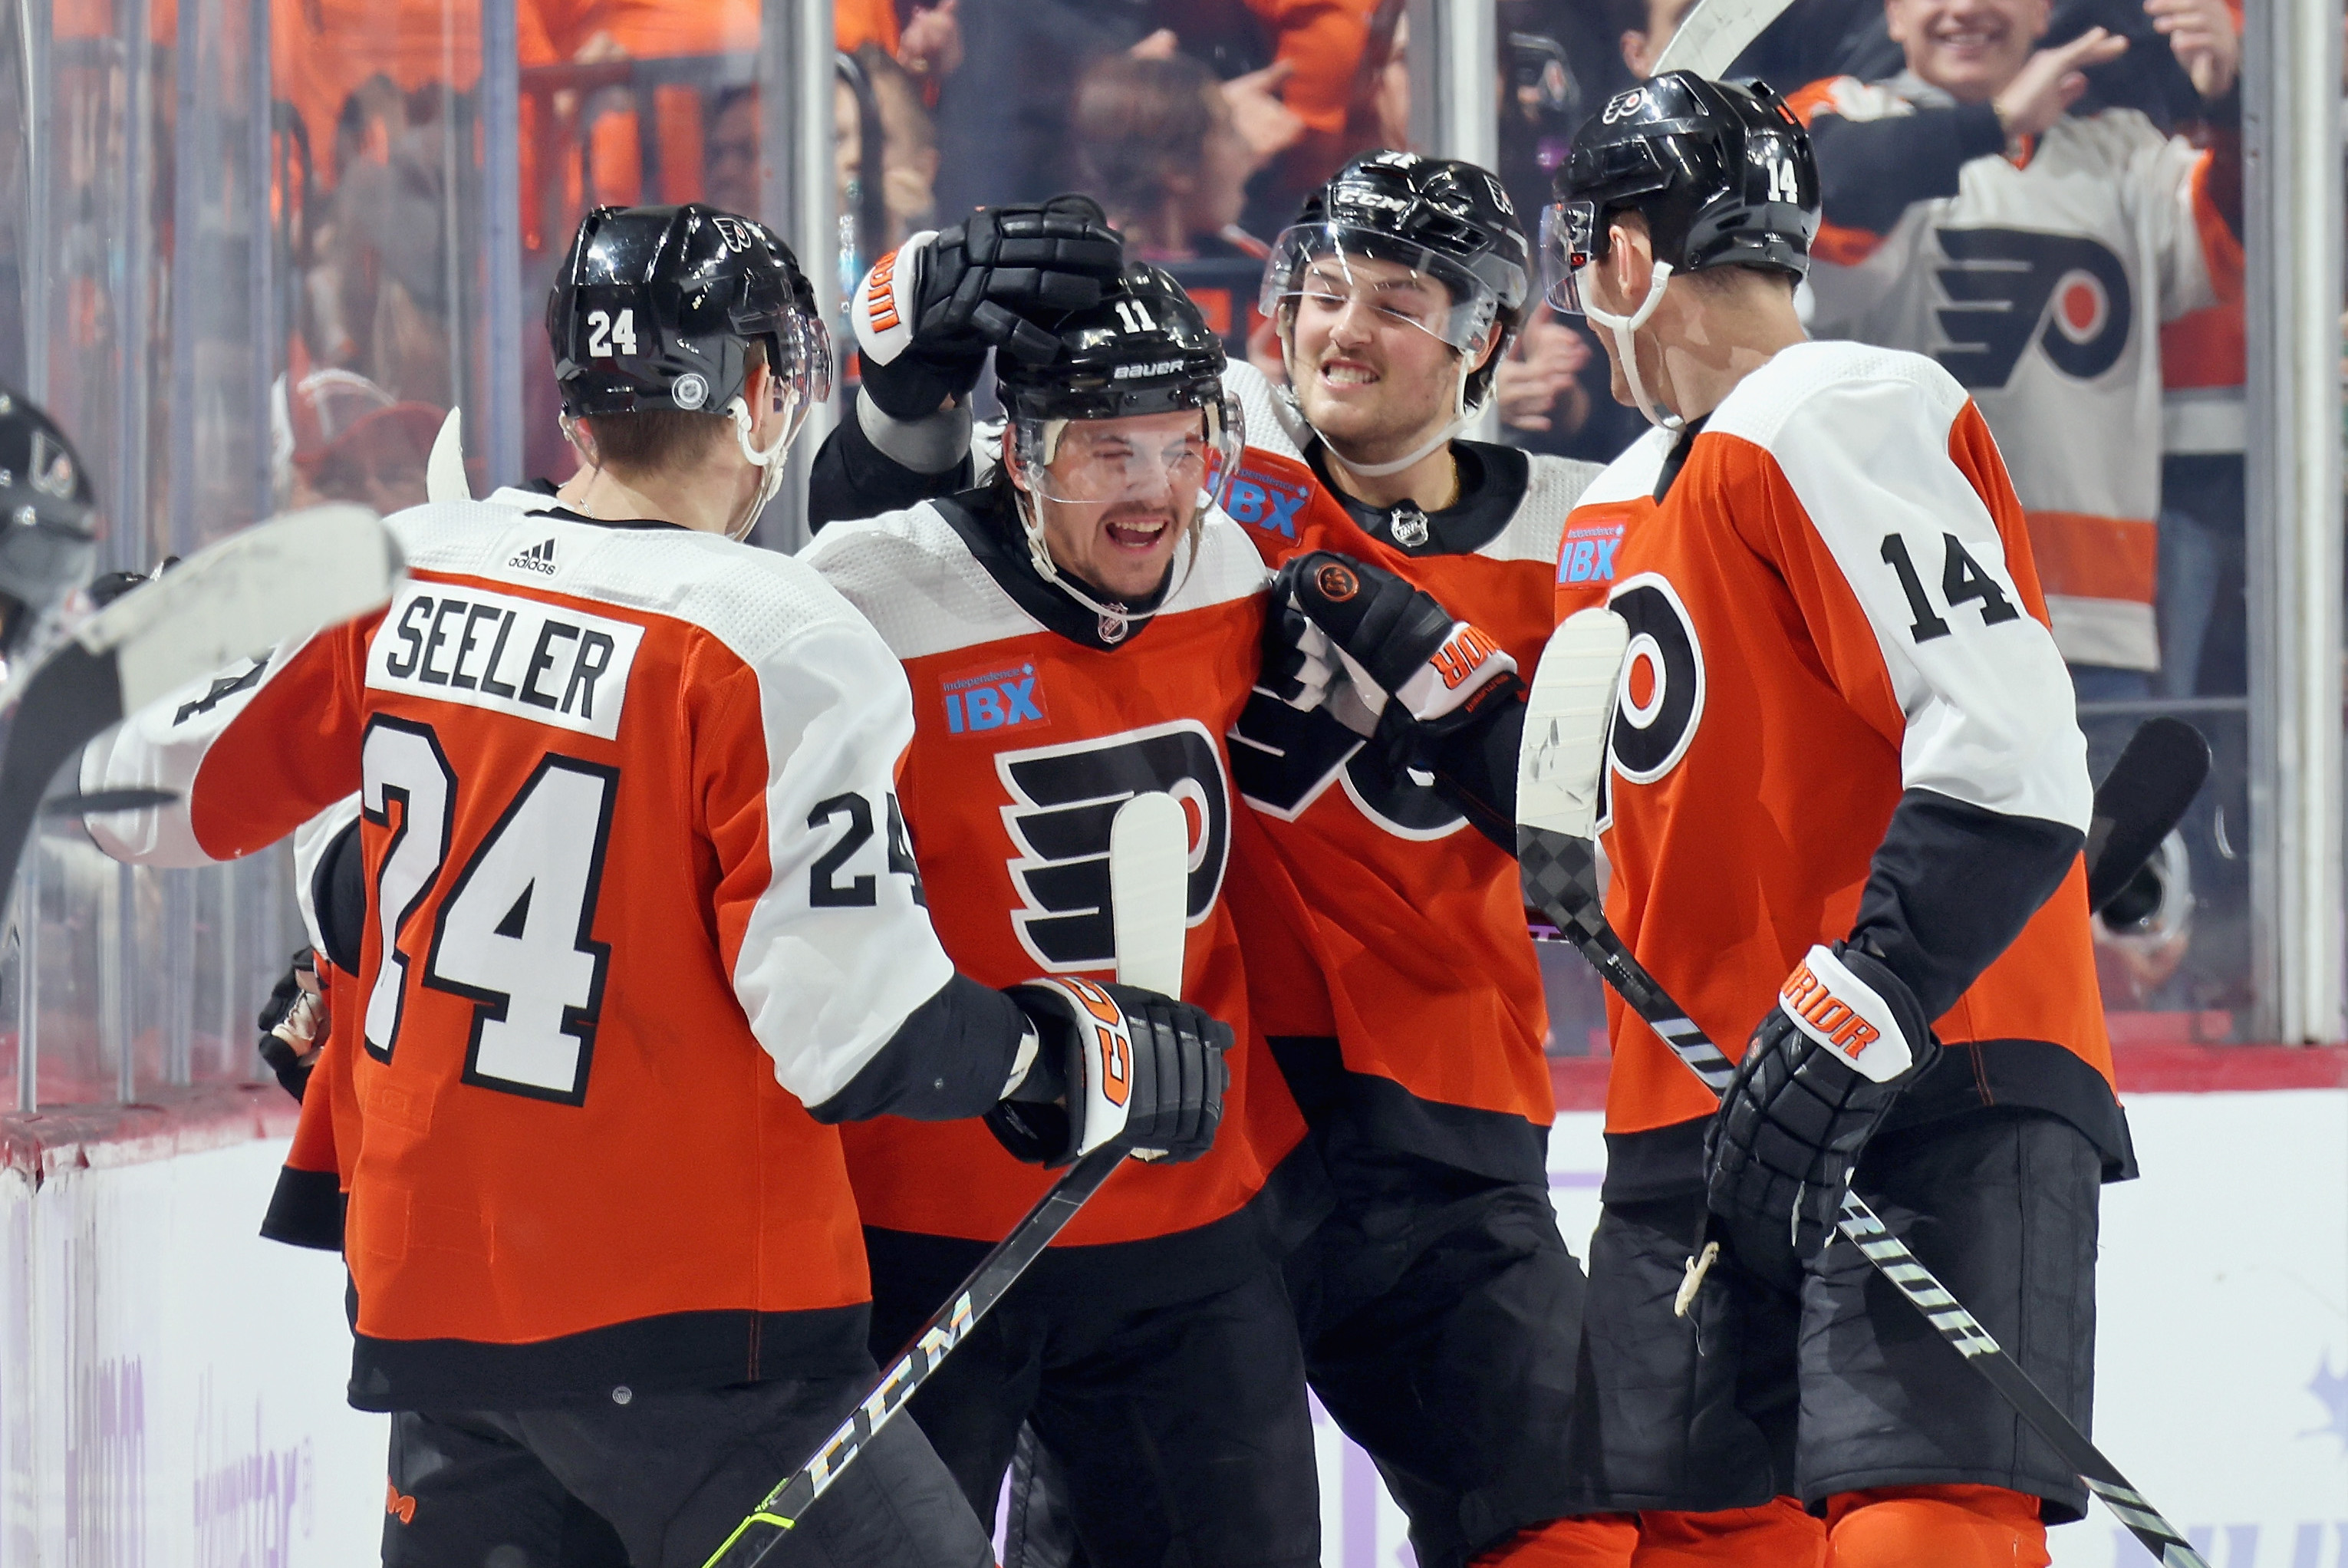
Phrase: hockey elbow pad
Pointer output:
(1816, 1079)
(1400, 647)
(1114, 1063)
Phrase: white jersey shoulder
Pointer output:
(1861, 436)
(1632, 474)
(1272, 421)
(1553, 488)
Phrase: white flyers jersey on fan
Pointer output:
(2040, 286)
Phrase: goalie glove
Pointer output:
(1112, 1064)
(927, 312)
(1816, 1080)
(292, 1022)
(1403, 656)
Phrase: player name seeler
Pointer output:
(542, 662)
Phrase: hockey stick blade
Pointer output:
(1561, 769)
(2140, 802)
(1711, 36)
(1149, 890)
(1149, 877)
(277, 579)
(444, 468)
(108, 800)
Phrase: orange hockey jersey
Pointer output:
(1834, 602)
(634, 908)
(1029, 730)
(1414, 917)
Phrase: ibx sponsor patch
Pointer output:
(1588, 553)
(1260, 502)
(996, 698)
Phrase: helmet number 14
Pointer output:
(604, 329)
(1784, 185)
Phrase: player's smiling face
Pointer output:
(1120, 494)
(1969, 48)
(1371, 374)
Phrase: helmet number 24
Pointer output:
(604, 329)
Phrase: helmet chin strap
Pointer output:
(1626, 347)
(769, 462)
(1462, 415)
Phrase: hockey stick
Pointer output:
(1561, 772)
(1149, 878)
(1711, 36)
(275, 581)
(2140, 802)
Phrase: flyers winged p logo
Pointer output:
(2009, 288)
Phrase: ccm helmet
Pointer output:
(655, 308)
(1144, 349)
(1723, 173)
(48, 523)
(1447, 220)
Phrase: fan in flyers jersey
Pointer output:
(626, 789)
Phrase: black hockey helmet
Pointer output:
(1447, 218)
(1722, 171)
(1145, 348)
(48, 515)
(654, 306)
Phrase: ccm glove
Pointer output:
(1113, 1064)
(1404, 656)
(927, 312)
(1816, 1080)
(292, 1022)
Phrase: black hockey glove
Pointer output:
(1114, 1063)
(926, 313)
(291, 1023)
(1408, 662)
(1818, 1078)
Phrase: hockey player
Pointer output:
(640, 934)
(1084, 627)
(2035, 252)
(1845, 761)
(1441, 1270)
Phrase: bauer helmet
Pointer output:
(1144, 349)
(654, 309)
(48, 523)
(1438, 216)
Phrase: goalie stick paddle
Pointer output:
(1148, 881)
(1558, 867)
(275, 581)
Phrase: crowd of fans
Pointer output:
(2046, 196)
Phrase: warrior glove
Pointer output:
(1112, 1064)
(927, 312)
(1407, 663)
(291, 1023)
(1818, 1078)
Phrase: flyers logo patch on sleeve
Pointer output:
(1063, 800)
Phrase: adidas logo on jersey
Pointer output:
(538, 558)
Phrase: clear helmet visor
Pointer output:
(1323, 272)
(1568, 237)
(1187, 457)
(802, 370)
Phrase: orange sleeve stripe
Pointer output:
(2221, 248)
(2088, 557)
